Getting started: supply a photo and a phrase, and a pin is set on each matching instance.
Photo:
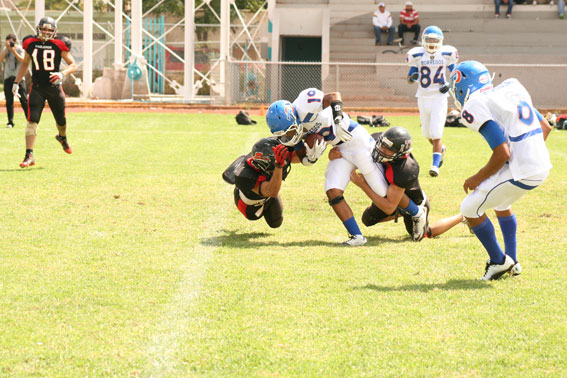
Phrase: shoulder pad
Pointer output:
(27, 40)
(66, 40)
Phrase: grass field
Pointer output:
(129, 258)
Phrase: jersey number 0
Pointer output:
(48, 60)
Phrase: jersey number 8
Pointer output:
(48, 60)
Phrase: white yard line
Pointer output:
(178, 313)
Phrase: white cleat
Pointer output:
(420, 223)
(516, 269)
(495, 271)
(434, 171)
(355, 241)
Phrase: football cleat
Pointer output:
(9, 125)
(420, 223)
(28, 161)
(443, 150)
(64, 144)
(434, 171)
(516, 269)
(495, 271)
(355, 240)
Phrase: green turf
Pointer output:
(129, 258)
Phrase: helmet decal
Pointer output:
(484, 78)
(457, 76)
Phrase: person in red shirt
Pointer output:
(409, 22)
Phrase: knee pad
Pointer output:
(336, 200)
(275, 223)
(31, 128)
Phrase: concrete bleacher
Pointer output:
(534, 34)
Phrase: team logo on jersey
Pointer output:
(484, 78)
(457, 75)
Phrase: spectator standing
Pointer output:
(13, 56)
(510, 4)
(382, 21)
(409, 22)
(561, 8)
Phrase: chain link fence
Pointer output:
(370, 84)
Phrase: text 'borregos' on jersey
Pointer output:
(431, 68)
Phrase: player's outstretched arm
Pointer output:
(271, 188)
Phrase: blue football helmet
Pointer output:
(282, 120)
(467, 78)
(432, 39)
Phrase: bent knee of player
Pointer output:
(275, 223)
(334, 192)
(368, 219)
(470, 207)
(31, 128)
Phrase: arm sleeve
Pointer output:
(475, 113)
(493, 134)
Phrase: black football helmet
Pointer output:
(396, 139)
(46, 29)
(263, 157)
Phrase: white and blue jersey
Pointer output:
(315, 119)
(431, 68)
(510, 106)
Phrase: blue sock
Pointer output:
(412, 208)
(436, 158)
(508, 225)
(352, 226)
(485, 233)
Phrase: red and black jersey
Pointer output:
(403, 173)
(249, 177)
(45, 57)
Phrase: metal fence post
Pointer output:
(337, 78)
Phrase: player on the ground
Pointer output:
(44, 51)
(316, 112)
(516, 132)
(258, 178)
(393, 152)
(428, 63)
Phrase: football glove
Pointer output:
(413, 77)
(444, 88)
(16, 90)
(281, 154)
(343, 134)
(316, 151)
(55, 77)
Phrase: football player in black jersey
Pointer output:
(258, 178)
(44, 51)
(393, 151)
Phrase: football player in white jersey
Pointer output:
(516, 132)
(316, 112)
(428, 63)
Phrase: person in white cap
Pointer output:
(382, 21)
(409, 22)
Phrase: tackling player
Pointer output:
(427, 67)
(316, 112)
(44, 51)
(392, 153)
(516, 132)
(258, 178)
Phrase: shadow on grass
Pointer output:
(449, 285)
(250, 240)
(21, 169)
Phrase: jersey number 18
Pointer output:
(48, 60)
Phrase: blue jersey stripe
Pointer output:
(526, 135)
(417, 54)
(521, 185)
(307, 117)
(446, 53)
